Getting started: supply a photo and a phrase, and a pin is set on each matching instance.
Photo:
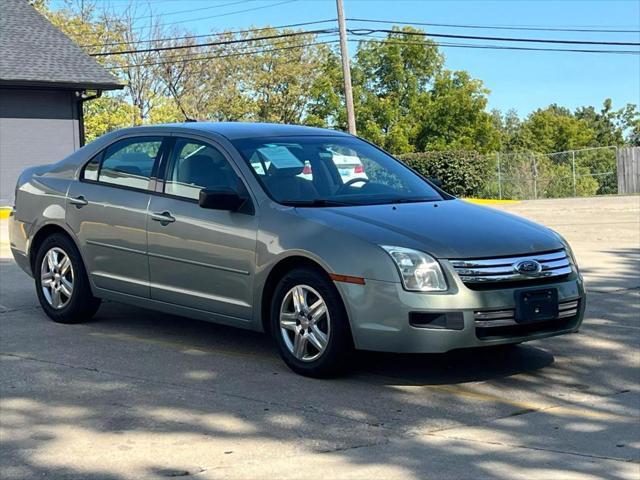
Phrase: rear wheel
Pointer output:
(62, 284)
(309, 324)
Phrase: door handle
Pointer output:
(164, 217)
(79, 201)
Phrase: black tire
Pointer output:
(81, 305)
(333, 360)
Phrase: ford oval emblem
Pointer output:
(528, 267)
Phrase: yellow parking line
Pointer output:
(489, 201)
(4, 212)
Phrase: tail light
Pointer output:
(358, 169)
(307, 170)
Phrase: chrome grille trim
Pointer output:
(489, 270)
(495, 323)
(506, 317)
(568, 305)
(567, 313)
(496, 314)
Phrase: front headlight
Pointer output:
(419, 272)
(568, 249)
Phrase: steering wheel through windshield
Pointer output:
(351, 182)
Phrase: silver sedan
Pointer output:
(257, 226)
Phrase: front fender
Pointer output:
(334, 251)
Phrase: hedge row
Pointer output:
(462, 173)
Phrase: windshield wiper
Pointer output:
(316, 202)
(411, 200)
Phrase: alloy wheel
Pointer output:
(304, 323)
(56, 278)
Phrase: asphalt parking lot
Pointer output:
(139, 394)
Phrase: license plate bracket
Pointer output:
(536, 305)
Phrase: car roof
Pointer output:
(237, 130)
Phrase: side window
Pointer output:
(90, 171)
(130, 162)
(195, 165)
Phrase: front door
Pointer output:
(107, 210)
(200, 258)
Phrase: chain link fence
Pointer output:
(529, 175)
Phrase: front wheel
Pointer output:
(309, 324)
(61, 281)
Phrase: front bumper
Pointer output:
(379, 316)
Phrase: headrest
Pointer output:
(195, 167)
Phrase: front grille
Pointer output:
(488, 271)
(500, 323)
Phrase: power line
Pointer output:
(213, 34)
(367, 31)
(210, 57)
(187, 58)
(224, 14)
(167, 14)
(501, 47)
(210, 44)
(239, 49)
(496, 27)
(191, 57)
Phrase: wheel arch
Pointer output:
(42, 233)
(279, 270)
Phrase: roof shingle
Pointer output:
(34, 52)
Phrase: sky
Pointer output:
(520, 80)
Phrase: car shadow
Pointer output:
(458, 366)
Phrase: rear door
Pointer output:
(201, 258)
(107, 210)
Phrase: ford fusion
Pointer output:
(315, 236)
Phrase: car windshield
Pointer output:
(331, 171)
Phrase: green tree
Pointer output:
(553, 129)
(404, 100)
(392, 79)
(326, 95)
(611, 127)
(107, 113)
(455, 116)
(280, 76)
(508, 126)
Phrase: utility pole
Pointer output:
(346, 69)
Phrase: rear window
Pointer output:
(128, 163)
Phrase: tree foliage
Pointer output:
(405, 100)
(557, 129)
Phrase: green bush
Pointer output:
(555, 180)
(462, 173)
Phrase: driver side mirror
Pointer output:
(222, 198)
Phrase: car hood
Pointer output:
(446, 229)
